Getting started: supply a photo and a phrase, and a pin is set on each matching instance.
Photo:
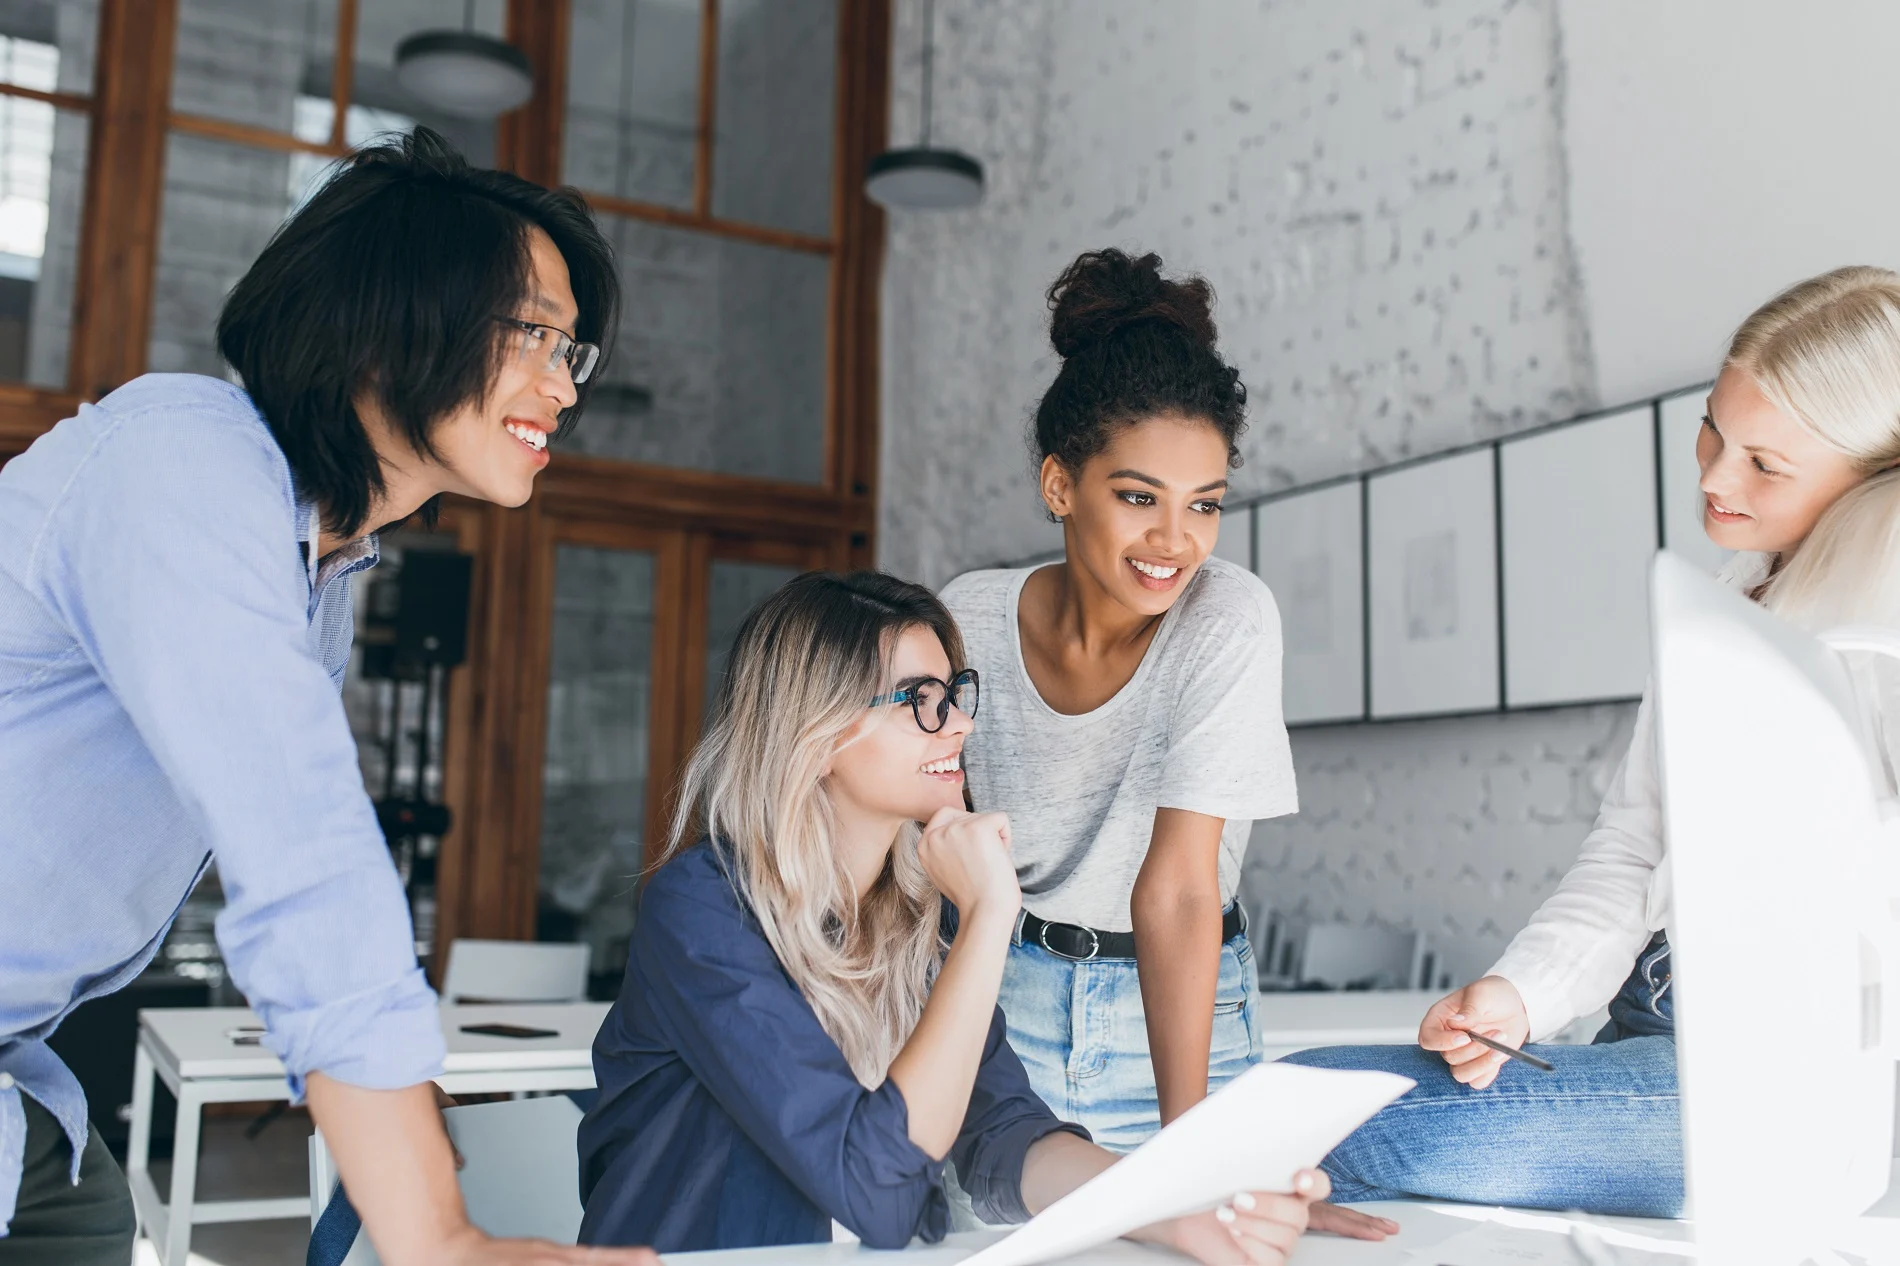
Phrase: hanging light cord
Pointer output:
(929, 25)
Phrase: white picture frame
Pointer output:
(1235, 542)
(1577, 507)
(1309, 549)
(1432, 560)
(1679, 423)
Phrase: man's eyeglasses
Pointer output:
(550, 347)
(930, 700)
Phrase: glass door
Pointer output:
(739, 577)
(629, 628)
(605, 721)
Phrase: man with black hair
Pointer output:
(174, 626)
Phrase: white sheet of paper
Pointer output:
(1254, 1134)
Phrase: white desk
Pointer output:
(1300, 1021)
(1423, 1225)
(191, 1050)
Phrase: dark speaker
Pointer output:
(432, 609)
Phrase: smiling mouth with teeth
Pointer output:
(949, 766)
(1153, 571)
(533, 437)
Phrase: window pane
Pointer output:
(49, 44)
(720, 363)
(42, 198)
(633, 99)
(735, 588)
(594, 780)
(220, 206)
(254, 61)
(772, 119)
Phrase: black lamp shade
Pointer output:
(464, 74)
(924, 180)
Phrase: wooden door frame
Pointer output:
(520, 849)
(703, 550)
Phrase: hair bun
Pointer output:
(1104, 292)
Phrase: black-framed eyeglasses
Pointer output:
(931, 699)
(551, 347)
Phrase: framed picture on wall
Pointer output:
(1235, 542)
(1311, 555)
(1679, 422)
(1432, 559)
(1579, 516)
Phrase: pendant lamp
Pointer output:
(464, 73)
(923, 178)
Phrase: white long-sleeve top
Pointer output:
(1579, 947)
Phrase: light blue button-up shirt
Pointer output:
(169, 672)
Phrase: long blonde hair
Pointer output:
(804, 665)
(1847, 571)
(1826, 352)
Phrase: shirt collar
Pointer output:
(363, 552)
(1746, 569)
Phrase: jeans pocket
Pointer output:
(1235, 986)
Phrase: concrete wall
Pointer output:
(1376, 192)
(1717, 152)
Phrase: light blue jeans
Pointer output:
(1082, 1034)
(1603, 1133)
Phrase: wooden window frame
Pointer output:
(714, 514)
(488, 868)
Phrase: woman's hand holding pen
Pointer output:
(1491, 1006)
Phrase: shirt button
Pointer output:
(6, 1081)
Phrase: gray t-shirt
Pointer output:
(1198, 727)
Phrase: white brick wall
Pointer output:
(1377, 192)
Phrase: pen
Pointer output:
(1512, 1051)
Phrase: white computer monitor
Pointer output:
(1783, 934)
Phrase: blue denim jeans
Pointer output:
(1082, 1034)
(1603, 1133)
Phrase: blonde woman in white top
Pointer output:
(1800, 427)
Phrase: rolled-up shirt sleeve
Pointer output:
(1228, 754)
(173, 566)
(1005, 1119)
(751, 1039)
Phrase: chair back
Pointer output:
(520, 1177)
(1340, 955)
(515, 971)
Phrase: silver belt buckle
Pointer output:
(1095, 942)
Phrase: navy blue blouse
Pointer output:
(728, 1118)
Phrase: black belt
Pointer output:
(1083, 945)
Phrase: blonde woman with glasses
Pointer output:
(809, 1027)
(1797, 452)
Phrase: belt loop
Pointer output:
(1016, 933)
